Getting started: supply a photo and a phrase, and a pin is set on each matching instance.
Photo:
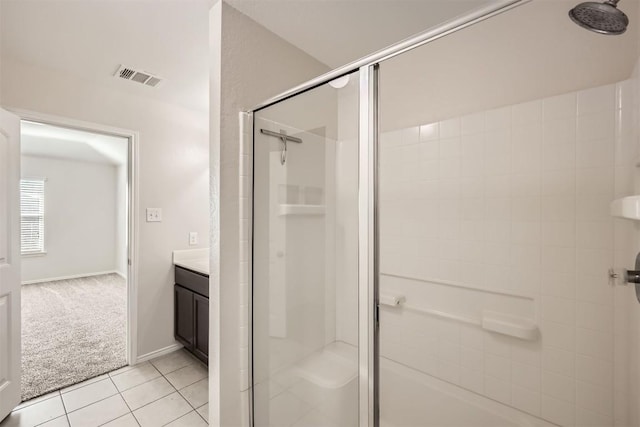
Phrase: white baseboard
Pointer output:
(168, 349)
(121, 274)
(74, 276)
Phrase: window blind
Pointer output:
(32, 215)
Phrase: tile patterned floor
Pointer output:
(171, 390)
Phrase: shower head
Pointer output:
(603, 18)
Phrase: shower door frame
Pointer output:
(368, 230)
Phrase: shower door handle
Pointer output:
(628, 276)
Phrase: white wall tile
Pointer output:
(560, 131)
(558, 335)
(473, 123)
(526, 376)
(558, 411)
(594, 371)
(595, 181)
(560, 310)
(429, 132)
(598, 317)
(497, 367)
(411, 136)
(499, 118)
(558, 386)
(450, 128)
(558, 361)
(558, 156)
(497, 389)
(472, 380)
(560, 106)
(596, 99)
(594, 344)
(529, 112)
(596, 398)
(595, 153)
(526, 400)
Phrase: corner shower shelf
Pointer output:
(627, 207)
(302, 209)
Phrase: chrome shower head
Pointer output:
(603, 18)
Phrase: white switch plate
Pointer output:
(193, 238)
(154, 214)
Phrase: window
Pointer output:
(32, 216)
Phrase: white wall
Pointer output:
(172, 167)
(249, 64)
(80, 218)
(530, 52)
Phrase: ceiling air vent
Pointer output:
(139, 76)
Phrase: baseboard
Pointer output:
(74, 276)
(121, 274)
(168, 349)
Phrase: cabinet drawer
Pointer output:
(198, 283)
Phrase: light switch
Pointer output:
(193, 238)
(154, 214)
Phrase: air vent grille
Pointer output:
(143, 77)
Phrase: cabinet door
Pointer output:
(183, 317)
(201, 347)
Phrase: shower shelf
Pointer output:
(627, 207)
(301, 210)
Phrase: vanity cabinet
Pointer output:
(191, 311)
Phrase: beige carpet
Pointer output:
(72, 330)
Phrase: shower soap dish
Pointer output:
(627, 207)
(517, 327)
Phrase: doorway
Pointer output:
(76, 249)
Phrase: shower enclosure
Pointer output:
(432, 238)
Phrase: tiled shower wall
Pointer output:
(508, 209)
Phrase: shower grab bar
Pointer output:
(444, 315)
(282, 136)
(517, 327)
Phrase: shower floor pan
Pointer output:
(322, 390)
(411, 398)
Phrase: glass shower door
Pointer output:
(500, 154)
(305, 272)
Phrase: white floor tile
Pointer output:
(162, 411)
(99, 413)
(204, 412)
(37, 400)
(148, 392)
(135, 376)
(192, 419)
(173, 361)
(121, 370)
(84, 383)
(187, 375)
(89, 394)
(197, 394)
(57, 422)
(125, 421)
(35, 414)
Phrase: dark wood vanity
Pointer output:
(191, 308)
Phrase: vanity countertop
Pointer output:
(193, 259)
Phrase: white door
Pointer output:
(9, 262)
